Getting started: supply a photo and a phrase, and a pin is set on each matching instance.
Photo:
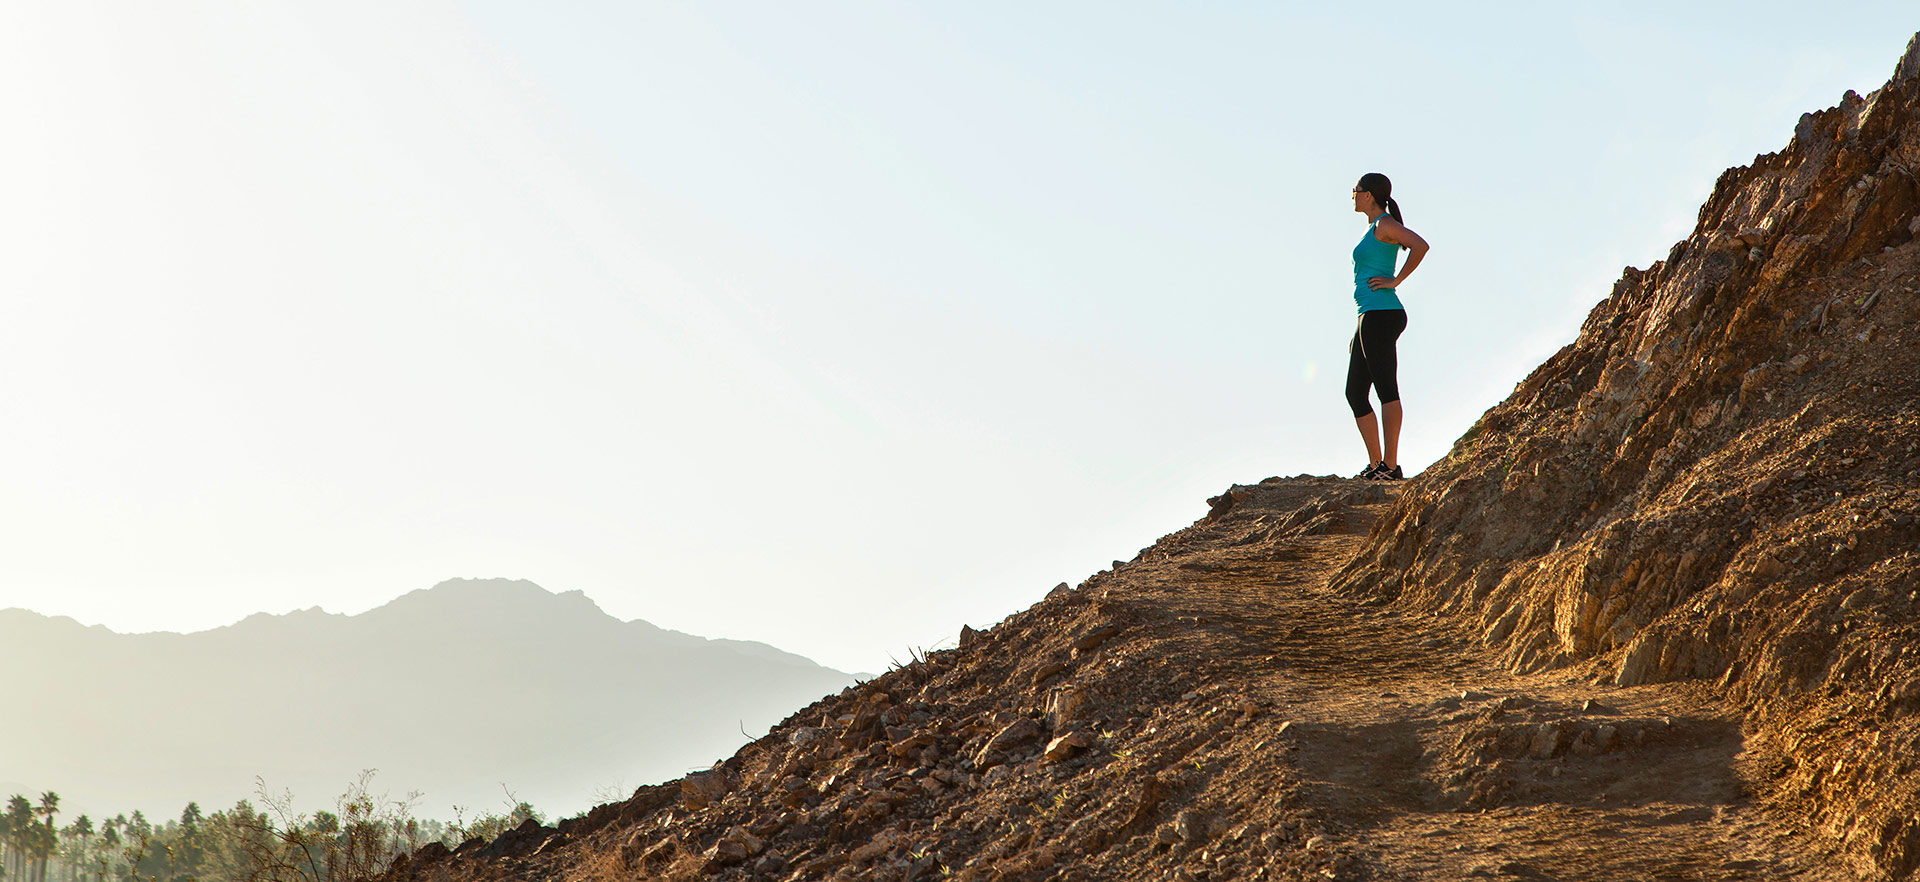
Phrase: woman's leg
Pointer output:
(1358, 379)
(1378, 333)
(1370, 436)
(1390, 421)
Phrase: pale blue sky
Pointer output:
(834, 325)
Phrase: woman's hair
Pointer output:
(1382, 190)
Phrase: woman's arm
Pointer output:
(1395, 232)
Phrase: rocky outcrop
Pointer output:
(1719, 479)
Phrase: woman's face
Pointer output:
(1363, 201)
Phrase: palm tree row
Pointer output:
(241, 844)
(29, 844)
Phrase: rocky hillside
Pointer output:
(1719, 479)
(1212, 709)
(1653, 617)
(1116, 730)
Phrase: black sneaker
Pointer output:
(1386, 474)
(1372, 472)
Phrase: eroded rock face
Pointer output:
(1719, 478)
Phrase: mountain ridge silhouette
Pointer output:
(308, 698)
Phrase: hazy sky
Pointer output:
(833, 325)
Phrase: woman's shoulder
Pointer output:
(1386, 229)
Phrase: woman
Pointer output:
(1371, 360)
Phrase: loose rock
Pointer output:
(1065, 746)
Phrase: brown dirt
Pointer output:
(1656, 616)
(1299, 733)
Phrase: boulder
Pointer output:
(1019, 732)
(701, 789)
(1065, 746)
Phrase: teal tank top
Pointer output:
(1373, 257)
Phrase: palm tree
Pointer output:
(80, 836)
(6, 845)
(109, 845)
(49, 806)
(45, 842)
(19, 829)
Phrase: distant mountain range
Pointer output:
(454, 691)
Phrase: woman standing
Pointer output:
(1371, 360)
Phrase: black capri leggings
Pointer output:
(1371, 361)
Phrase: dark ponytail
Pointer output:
(1382, 190)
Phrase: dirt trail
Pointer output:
(1413, 743)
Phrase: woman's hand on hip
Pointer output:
(1378, 282)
